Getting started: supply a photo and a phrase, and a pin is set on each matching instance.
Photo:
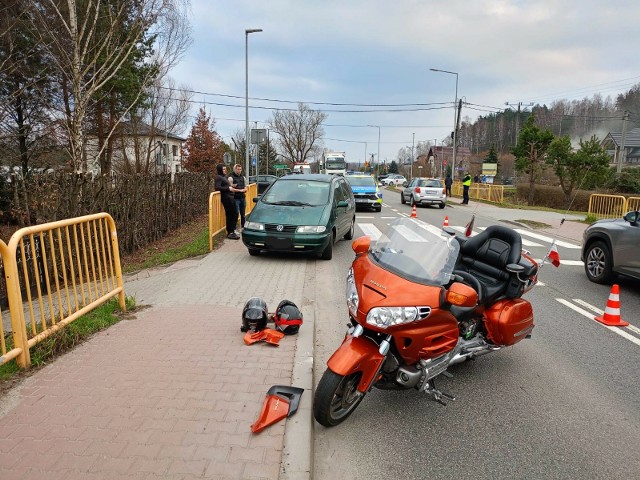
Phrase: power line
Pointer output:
(333, 104)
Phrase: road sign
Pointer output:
(253, 162)
(226, 158)
(279, 166)
(258, 135)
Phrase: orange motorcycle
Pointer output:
(421, 299)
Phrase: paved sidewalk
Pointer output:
(172, 391)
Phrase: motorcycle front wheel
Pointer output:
(336, 398)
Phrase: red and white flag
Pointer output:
(469, 228)
(553, 255)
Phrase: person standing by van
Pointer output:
(238, 182)
(222, 185)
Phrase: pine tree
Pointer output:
(203, 148)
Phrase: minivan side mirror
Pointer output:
(405, 184)
(342, 204)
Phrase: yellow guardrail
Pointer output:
(217, 219)
(608, 206)
(65, 269)
(480, 191)
(633, 203)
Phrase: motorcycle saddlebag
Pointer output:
(509, 321)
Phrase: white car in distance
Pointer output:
(394, 179)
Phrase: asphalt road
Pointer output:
(563, 404)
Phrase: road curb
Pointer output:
(297, 452)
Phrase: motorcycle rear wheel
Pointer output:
(336, 398)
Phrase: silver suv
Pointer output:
(610, 247)
(424, 191)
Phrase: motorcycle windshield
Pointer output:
(416, 251)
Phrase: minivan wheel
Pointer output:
(327, 253)
(442, 205)
(349, 234)
(402, 200)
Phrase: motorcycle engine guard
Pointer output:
(357, 354)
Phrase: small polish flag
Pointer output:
(469, 228)
(553, 255)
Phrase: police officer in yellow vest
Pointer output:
(466, 183)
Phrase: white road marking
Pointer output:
(564, 262)
(525, 242)
(616, 330)
(544, 238)
(597, 311)
(371, 230)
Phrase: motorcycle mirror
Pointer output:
(361, 245)
(462, 295)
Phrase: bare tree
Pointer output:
(298, 131)
(88, 43)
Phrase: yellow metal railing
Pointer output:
(217, 219)
(607, 206)
(65, 269)
(633, 203)
(480, 191)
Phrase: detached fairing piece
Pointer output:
(281, 401)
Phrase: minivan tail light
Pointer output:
(417, 189)
(444, 190)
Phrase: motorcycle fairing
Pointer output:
(267, 335)
(281, 401)
(357, 354)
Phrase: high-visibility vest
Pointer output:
(467, 181)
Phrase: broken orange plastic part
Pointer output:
(267, 335)
(281, 401)
(274, 409)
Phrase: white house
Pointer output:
(140, 148)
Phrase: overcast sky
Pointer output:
(379, 52)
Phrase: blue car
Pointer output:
(365, 192)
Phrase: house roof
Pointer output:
(632, 139)
(142, 128)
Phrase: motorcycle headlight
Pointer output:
(311, 229)
(384, 317)
(254, 226)
(352, 294)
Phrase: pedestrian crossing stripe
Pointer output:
(371, 230)
(544, 238)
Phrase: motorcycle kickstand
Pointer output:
(437, 394)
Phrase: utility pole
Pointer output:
(622, 152)
(519, 104)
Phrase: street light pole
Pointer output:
(413, 142)
(455, 123)
(246, 94)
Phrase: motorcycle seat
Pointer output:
(485, 257)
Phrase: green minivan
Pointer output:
(301, 213)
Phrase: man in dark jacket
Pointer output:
(447, 183)
(222, 185)
(238, 182)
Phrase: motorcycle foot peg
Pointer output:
(447, 374)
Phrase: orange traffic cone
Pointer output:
(446, 221)
(611, 316)
(414, 213)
